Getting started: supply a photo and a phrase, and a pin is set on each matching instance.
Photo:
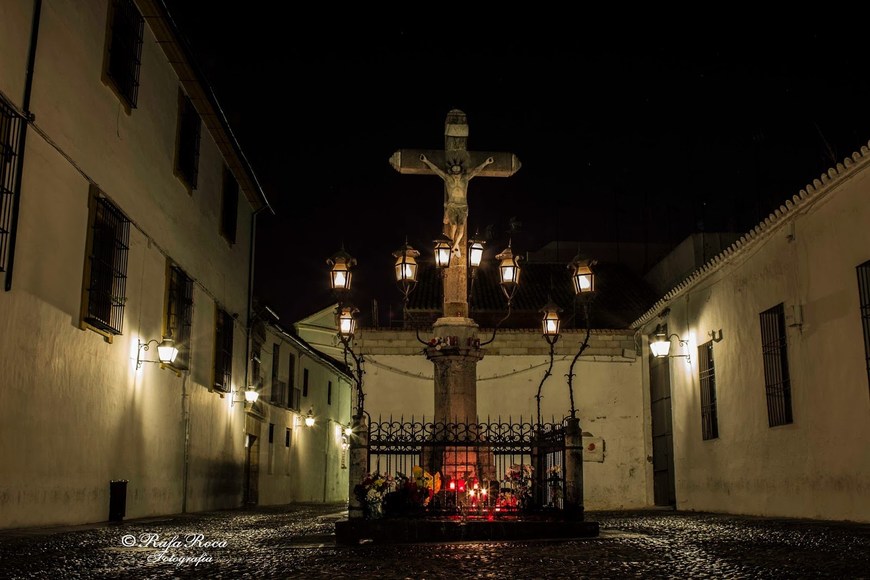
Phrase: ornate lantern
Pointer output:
(347, 322)
(551, 323)
(509, 272)
(406, 266)
(583, 277)
(442, 252)
(340, 270)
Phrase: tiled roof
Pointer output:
(619, 299)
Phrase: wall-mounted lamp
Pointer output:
(661, 345)
(166, 352)
(715, 336)
(348, 431)
(309, 419)
(251, 396)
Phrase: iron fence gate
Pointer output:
(484, 468)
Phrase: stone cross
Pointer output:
(456, 166)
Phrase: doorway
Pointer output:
(664, 491)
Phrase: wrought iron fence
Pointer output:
(485, 469)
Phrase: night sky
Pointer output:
(623, 135)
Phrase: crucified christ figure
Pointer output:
(455, 196)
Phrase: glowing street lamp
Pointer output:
(660, 345)
(347, 322)
(475, 252)
(406, 266)
(509, 272)
(309, 419)
(442, 253)
(583, 277)
(550, 323)
(340, 270)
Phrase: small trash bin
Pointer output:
(117, 500)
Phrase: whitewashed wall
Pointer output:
(610, 396)
(74, 411)
(819, 465)
(311, 468)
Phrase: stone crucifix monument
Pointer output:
(456, 359)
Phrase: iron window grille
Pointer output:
(11, 125)
(106, 274)
(229, 206)
(223, 354)
(707, 375)
(187, 154)
(294, 393)
(278, 386)
(777, 382)
(179, 314)
(125, 49)
(864, 298)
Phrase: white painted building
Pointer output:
(133, 220)
(295, 461)
(770, 410)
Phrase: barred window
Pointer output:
(179, 314)
(124, 57)
(11, 125)
(229, 206)
(304, 382)
(776, 378)
(279, 387)
(864, 299)
(187, 152)
(294, 392)
(329, 392)
(223, 352)
(106, 267)
(709, 417)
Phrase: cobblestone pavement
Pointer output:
(297, 542)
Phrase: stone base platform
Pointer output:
(407, 530)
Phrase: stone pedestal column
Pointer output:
(573, 470)
(455, 359)
(358, 463)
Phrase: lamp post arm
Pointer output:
(547, 374)
(356, 372)
(408, 315)
(576, 357)
(497, 326)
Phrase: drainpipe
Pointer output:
(326, 460)
(185, 415)
(22, 140)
